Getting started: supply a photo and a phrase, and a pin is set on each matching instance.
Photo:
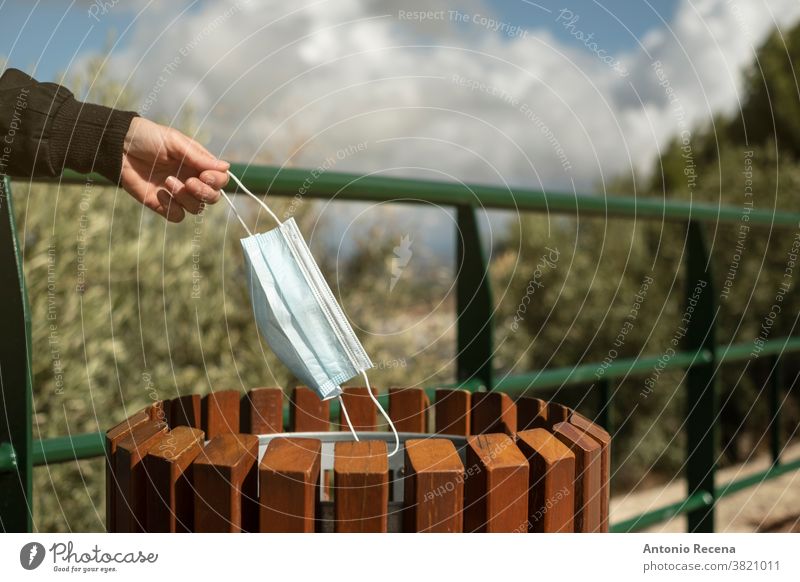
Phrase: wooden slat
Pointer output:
(551, 483)
(556, 413)
(433, 499)
(587, 476)
(361, 486)
(219, 413)
(289, 483)
(496, 488)
(361, 409)
(531, 413)
(262, 411)
(493, 412)
(130, 502)
(170, 499)
(113, 437)
(602, 438)
(159, 411)
(408, 409)
(185, 411)
(452, 412)
(225, 478)
(307, 412)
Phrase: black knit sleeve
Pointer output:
(44, 130)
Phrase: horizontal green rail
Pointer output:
(702, 500)
(62, 449)
(696, 501)
(586, 373)
(376, 188)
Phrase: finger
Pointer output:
(192, 198)
(201, 191)
(152, 202)
(194, 154)
(172, 210)
(215, 179)
(186, 193)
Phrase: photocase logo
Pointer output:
(31, 555)
(402, 255)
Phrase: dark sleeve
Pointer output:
(45, 130)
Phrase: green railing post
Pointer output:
(473, 302)
(775, 389)
(16, 436)
(698, 325)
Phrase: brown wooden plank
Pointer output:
(433, 500)
(361, 409)
(556, 413)
(408, 409)
(493, 412)
(551, 483)
(225, 479)
(307, 412)
(602, 438)
(185, 411)
(289, 483)
(452, 412)
(130, 502)
(496, 487)
(361, 486)
(262, 411)
(159, 411)
(170, 499)
(531, 413)
(587, 476)
(113, 437)
(219, 412)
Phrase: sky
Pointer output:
(548, 95)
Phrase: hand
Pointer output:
(169, 172)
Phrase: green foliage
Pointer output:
(771, 111)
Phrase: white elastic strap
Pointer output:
(347, 418)
(254, 197)
(228, 200)
(383, 412)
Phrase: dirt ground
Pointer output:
(772, 506)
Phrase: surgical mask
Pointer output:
(297, 313)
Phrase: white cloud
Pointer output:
(270, 76)
(267, 77)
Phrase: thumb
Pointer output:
(195, 155)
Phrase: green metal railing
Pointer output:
(700, 355)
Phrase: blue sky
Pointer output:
(609, 18)
(45, 35)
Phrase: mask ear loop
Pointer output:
(254, 197)
(233, 208)
(383, 412)
(363, 372)
(347, 418)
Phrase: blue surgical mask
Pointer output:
(297, 313)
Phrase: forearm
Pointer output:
(44, 130)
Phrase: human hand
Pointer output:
(169, 172)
